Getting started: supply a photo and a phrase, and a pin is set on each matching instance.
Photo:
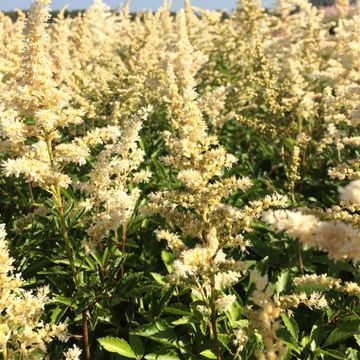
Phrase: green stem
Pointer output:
(65, 236)
(31, 194)
(123, 247)
(213, 317)
(70, 255)
(86, 335)
(282, 155)
(60, 207)
(339, 155)
(236, 356)
(5, 352)
(292, 193)
(213, 312)
(300, 259)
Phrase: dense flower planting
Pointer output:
(180, 186)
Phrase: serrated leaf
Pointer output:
(305, 340)
(317, 335)
(177, 310)
(288, 340)
(332, 354)
(357, 338)
(343, 331)
(158, 278)
(55, 313)
(168, 260)
(182, 321)
(160, 331)
(118, 346)
(225, 340)
(137, 345)
(208, 354)
(63, 300)
(293, 346)
(161, 357)
(352, 354)
(291, 326)
(282, 281)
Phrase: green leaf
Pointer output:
(177, 310)
(288, 340)
(137, 345)
(305, 341)
(118, 346)
(291, 325)
(63, 300)
(56, 313)
(158, 278)
(160, 331)
(357, 338)
(282, 281)
(225, 340)
(182, 321)
(332, 354)
(153, 356)
(208, 354)
(76, 262)
(293, 346)
(317, 335)
(352, 354)
(343, 331)
(168, 260)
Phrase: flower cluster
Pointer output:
(108, 191)
(339, 240)
(21, 327)
(266, 318)
(197, 209)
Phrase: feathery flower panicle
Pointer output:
(313, 301)
(92, 80)
(293, 175)
(322, 283)
(350, 194)
(11, 48)
(60, 47)
(342, 7)
(37, 90)
(341, 241)
(346, 213)
(109, 193)
(287, 74)
(266, 319)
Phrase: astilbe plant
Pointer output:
(289, 78)
(23, 333)
(11, 47)
(334, 231)
(196, 208)
(31, 129)
(338, 232)
(87, 81)
(112, 194)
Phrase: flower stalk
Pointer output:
(213, 318)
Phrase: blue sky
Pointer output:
(135, 4)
